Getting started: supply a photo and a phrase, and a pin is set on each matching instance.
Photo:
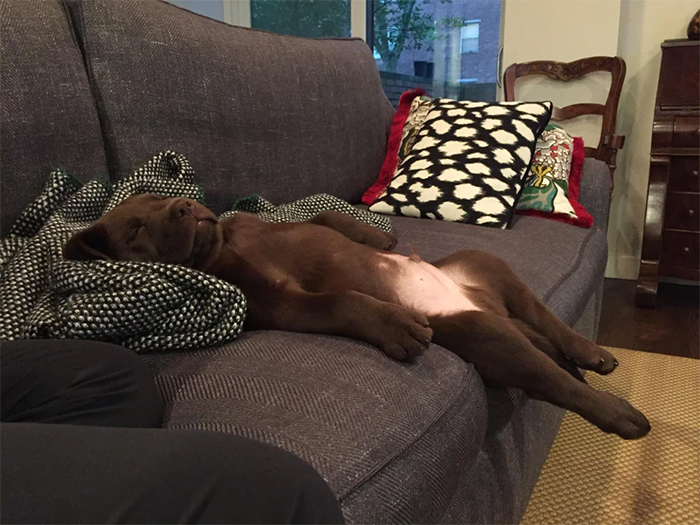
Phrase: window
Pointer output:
(310, 18)
(469, 42)
(449, 48)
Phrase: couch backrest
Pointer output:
(47, 114)
(254, 112)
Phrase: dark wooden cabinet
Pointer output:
(671, 245)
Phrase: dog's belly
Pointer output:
(422, 287)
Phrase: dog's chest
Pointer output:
(423, 287)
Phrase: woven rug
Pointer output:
(595, 478)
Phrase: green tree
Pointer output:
(401, 25)
(310, 18)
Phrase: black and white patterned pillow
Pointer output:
(468, 162)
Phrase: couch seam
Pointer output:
(78, 30)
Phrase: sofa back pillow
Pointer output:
(254, 112)
(47, 113)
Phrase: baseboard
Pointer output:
(622, 267)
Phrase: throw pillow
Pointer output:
(552, 185)
(467, 163)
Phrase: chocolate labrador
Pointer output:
(336, 275)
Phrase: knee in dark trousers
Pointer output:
(77, 382)
(82, 474)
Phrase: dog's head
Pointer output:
(151, 228)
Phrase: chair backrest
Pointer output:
(609, 142)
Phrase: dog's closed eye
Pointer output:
(134, 233)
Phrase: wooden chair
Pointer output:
(609, 142)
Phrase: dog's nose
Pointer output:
(181, 208)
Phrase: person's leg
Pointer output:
(77, 382)
(80, 474)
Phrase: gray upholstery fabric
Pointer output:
(48, 117)
(343, 406)
(253, 112)
(498, 486)
(594, 192)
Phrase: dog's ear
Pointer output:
(91, 243)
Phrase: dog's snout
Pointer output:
(181, 208)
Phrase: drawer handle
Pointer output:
(691, 211)
(686, 250)
(694, 173)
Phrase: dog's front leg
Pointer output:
(355, 230)
(398, 331)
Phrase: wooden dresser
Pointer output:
(671, 246)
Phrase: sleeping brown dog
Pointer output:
(336, 275)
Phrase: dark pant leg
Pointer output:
(77, 382)
(79, 474)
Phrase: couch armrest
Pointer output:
(594, 192)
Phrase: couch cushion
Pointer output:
(343, 406)
(47, 112)
(252, 111)
(563, 264)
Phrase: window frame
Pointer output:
(465, 25)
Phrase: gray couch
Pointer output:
(99, 87)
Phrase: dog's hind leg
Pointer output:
(522, 303)
(543, 344)
(501, 353)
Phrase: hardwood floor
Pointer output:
(673, 327)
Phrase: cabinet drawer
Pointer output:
(686, 132)
(680, 250)
(685, 174)
(683, 211)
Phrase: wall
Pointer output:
(563, 30)
(644, 24)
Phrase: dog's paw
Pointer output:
(375, 238)
(404, 333)
(617, 416)
(590, 356)
(390, 242)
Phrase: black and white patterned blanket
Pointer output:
(142, 306)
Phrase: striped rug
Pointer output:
(595, 478)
